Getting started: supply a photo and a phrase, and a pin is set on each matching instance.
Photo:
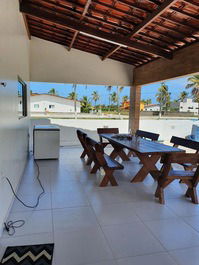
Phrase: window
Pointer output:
(36, 106)
(190, 107)
(51, 106)
(22, 98)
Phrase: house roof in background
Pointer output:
(56, 96)
(131, 31)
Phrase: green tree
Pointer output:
(183, 95)
(163, 97)
(113, 97)
(52, 91)
(193, 82)
(75, 99)
(95, 97)
(72, 95)
(119, 90)
(146, 101)
(109, 88)
(85, 105)
(125, 99)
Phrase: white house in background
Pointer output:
(152, 107)
(45, 103)
(189, 106)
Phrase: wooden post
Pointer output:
(134, 112)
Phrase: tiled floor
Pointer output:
(89, 225)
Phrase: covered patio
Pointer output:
(104, 226)
(122, 42)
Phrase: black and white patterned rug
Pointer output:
(28, 255)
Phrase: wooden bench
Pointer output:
(178, 141)
(102, 160)
(106, 131)
(190, 178)
(92, 153)
(146, 135)
(82, 138)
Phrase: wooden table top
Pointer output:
(142, 146)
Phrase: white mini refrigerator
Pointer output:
(46, 142)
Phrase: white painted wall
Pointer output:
(43, 103)
(189, 106)
(166, 128)
(14, 60)
(152, 108)
(52, 62)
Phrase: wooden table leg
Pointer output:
(118, 151)
(149, 165)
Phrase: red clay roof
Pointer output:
(144, 30)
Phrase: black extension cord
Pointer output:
(10, 226)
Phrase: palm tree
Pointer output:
(72, 95)
(52, 91)
(109, 88)
(146, 101)
(125, 99)
(194, 84)
(85, 104)
(113, 97)
(163, 97)
(119, 90)
(183, 95)
(95, 97)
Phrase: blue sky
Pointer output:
(175, 87)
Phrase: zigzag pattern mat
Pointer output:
(28, 255)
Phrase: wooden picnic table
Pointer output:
(149, 152)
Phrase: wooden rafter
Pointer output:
(189, 3)
(79, 26)
(82, 17)
(113, 50)
(149, 19)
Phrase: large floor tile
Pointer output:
(110, 195)
(183, 207)
(85, 246)
(174, 233)
(131, 240)
(189, 256)
(154, 259)
(34, 188)
(69, 198)
(36, 222)
(151, 210)
(31, 200)
(121, 213)
(73, 219)
(192, 221)
(61, 186)
(111, 262)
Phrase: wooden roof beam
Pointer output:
(195, 17)
(113, 50)
(88, 2)
(104, 36)
(190, 3)
(150, 18)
